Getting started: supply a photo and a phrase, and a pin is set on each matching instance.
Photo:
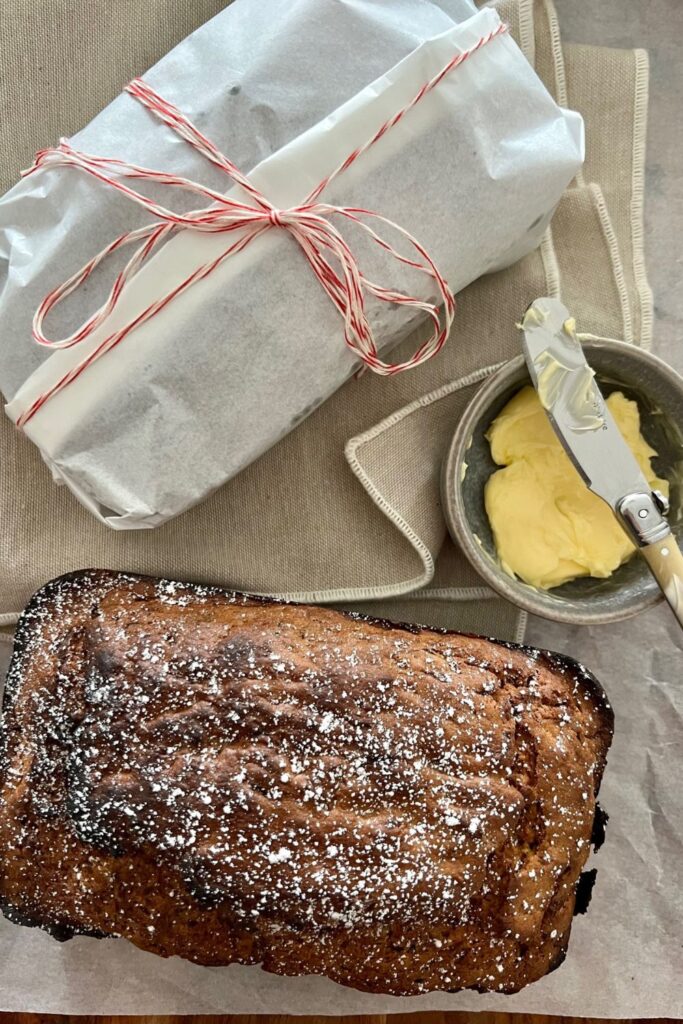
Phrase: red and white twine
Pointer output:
(309, 223)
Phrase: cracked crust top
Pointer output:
(229, 779)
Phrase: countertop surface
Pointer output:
(652, 641)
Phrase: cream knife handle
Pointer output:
(666, 563)
(641, 516)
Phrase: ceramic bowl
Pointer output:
(659, 392)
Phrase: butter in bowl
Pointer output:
(523, 515)
(548, 527)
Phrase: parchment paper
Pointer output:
(219, 376)
(624, 955)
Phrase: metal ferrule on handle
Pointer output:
(642, 516)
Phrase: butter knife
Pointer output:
(577, 411)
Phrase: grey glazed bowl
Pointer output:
(659, 392)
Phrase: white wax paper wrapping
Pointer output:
(238, 360)
(252, 78)
(624, 957)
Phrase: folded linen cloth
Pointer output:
(346, 508)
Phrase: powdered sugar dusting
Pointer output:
(308, 774)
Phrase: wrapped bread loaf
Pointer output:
(219, 374)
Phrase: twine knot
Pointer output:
(310, 224)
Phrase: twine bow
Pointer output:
(309, 223)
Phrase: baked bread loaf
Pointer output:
(231, 779)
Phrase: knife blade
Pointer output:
(568, 392)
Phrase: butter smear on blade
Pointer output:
(547, 526)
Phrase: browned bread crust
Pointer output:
(232, 779)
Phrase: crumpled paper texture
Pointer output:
(219, 375)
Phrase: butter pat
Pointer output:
(547, 526)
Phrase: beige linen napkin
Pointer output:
(345, 509)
